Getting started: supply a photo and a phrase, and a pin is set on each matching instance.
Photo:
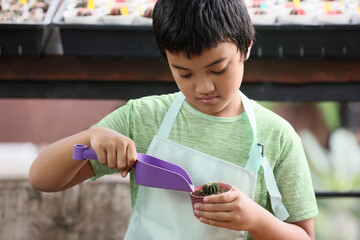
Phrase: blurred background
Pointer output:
(64, 65)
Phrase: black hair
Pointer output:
(192, 26)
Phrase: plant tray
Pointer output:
(271, 40)
(26, 38)
(105, 39)
(307, 41)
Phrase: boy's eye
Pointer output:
(185, 76)
(220, 72)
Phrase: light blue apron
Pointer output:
(167, 214)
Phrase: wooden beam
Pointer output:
(257, 70)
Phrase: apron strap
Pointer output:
(171, 115)
(275, 195)
(250, 113)
(253, 163)
(257, 159)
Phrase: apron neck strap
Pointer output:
(171, 115)
(256, 150)
(175, 107)
(250, 113)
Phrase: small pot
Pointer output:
(200, 199)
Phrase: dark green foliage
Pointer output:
(211, 188)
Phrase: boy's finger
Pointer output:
(221, 198)
(121, 160)
(124, 173)
(217, 216)
(131, 156)
(102, 158)
(111, 158)
(213, 207)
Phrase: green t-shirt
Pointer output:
(225, 138)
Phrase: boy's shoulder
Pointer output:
(149, 107)
(265, 116)
(163, 100)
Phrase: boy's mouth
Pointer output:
(208, 100)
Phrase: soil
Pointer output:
(201, 193)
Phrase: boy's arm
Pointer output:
(55, 170)
(234, 210)
(273, 228)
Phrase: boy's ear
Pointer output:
(249, 50)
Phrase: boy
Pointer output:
(210, 129)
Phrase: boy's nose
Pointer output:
(204, 86)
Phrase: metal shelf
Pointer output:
(336, 194)
(271, 41)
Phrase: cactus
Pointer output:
(211, 188)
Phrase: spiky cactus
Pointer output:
(211, 188)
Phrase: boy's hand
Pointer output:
(232, 210)
(113, 149)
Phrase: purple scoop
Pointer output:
(149, 171)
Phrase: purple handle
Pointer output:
(149, 171)
(83, 152)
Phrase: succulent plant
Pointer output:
(83, 12)
(115, 11)
(148, 12)
(211, 188)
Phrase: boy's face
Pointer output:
(211, 81)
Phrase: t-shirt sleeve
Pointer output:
(293, 177)
(118, 120)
